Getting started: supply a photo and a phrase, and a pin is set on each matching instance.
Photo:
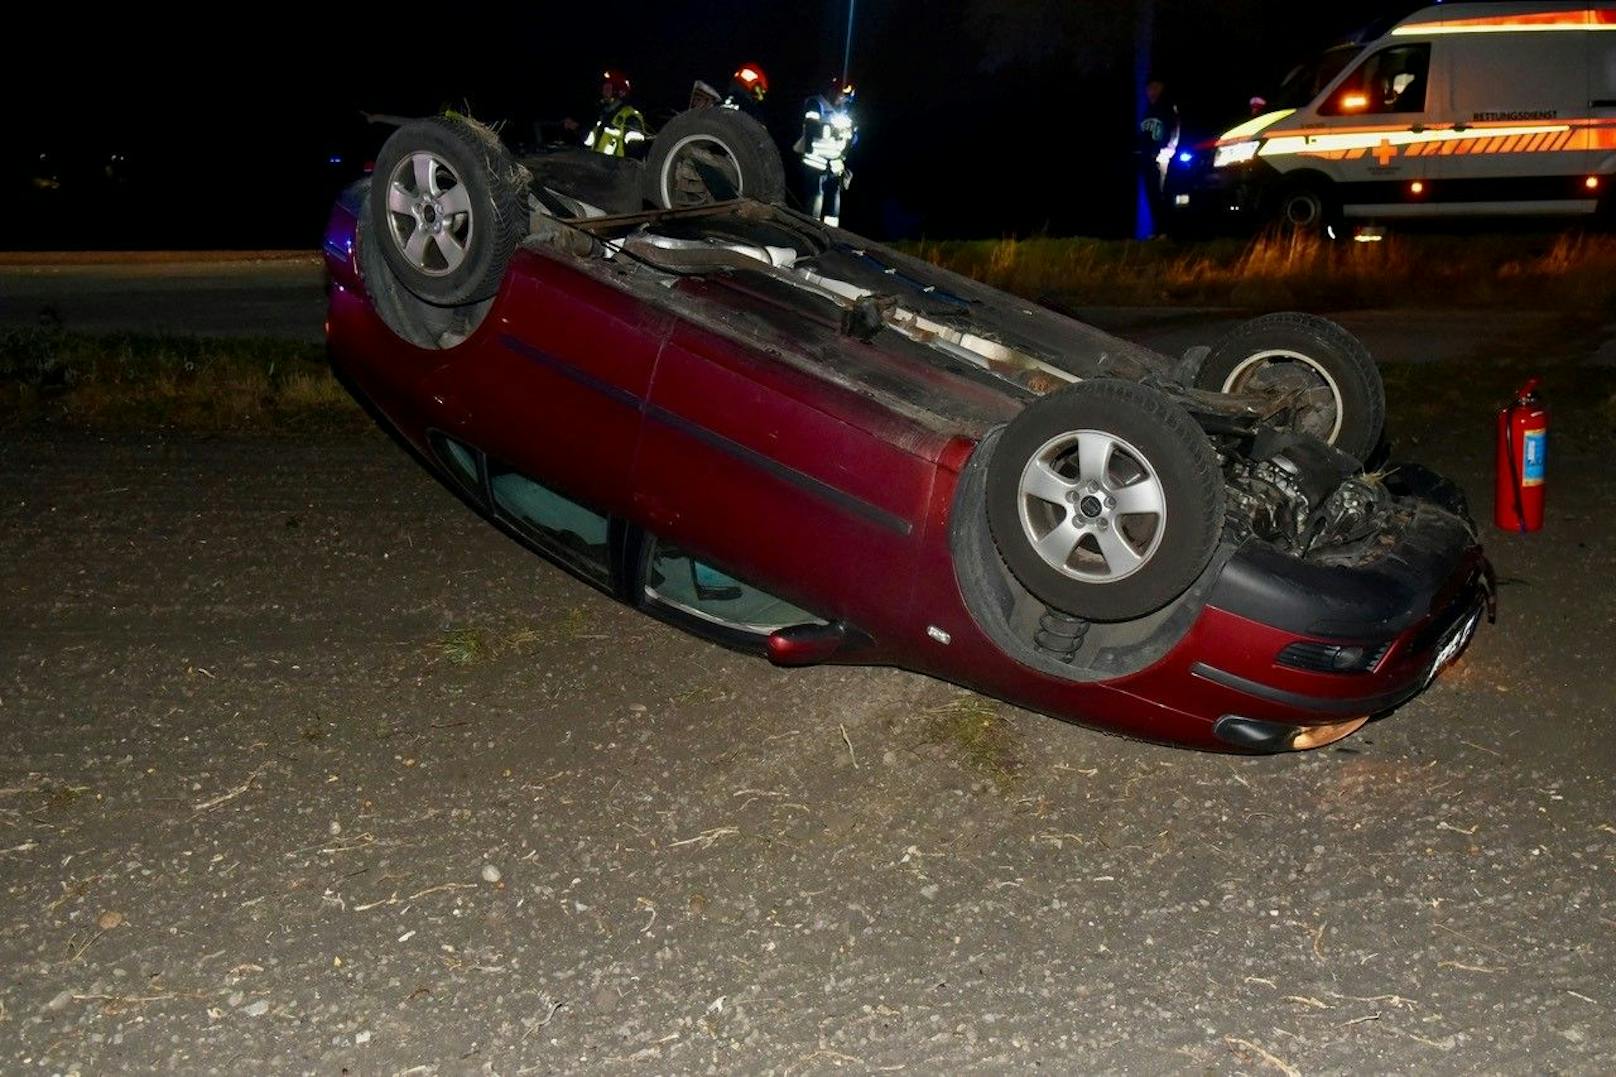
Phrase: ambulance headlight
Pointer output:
(1235, 153)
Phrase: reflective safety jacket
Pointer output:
(620, 125)
(828, 133)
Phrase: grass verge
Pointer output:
(135, 382)
(1572, 271)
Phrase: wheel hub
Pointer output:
(1103, 523)
(430, 212)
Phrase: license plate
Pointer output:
(1454, 643)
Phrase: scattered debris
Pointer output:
(394, 899)
(706, 838)
(234, 793)
(1264, 1056)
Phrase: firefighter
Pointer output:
(828, 132)
(1158, 138)
(619, 129)
(747, 88)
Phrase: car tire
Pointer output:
(1305, 208)
(1292, 351)
(1063, 479)
(709, 155)
(448, 205)
(423, 324)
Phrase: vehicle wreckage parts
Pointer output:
(1338, 394)
(1105, 499)
(713, 155)
(447, 206)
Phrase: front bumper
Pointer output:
(1207, 196)
(1414, 609)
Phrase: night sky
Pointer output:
(977, 117)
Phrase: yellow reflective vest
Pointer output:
(613, 133)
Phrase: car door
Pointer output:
(780, 478)
(1366, 128)
(556, 388)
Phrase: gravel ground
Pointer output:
(305, 769)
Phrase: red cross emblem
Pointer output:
(1385, 152)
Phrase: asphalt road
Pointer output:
(283, 294)
(272, 294)
(254, 818)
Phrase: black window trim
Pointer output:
(607, 580)
(628, 551)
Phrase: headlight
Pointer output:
(1235, 153)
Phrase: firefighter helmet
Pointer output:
(614, 83)
(752, 78)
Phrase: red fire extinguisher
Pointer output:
(1523, 442)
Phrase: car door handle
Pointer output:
(1418, 129)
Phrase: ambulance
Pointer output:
(1459, 110)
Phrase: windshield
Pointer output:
(1304, 82)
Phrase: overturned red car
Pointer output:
(796, 442)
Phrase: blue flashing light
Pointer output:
(1186, 157)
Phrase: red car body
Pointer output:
(846, 505)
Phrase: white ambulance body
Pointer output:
(1461, 109)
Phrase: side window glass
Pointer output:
(462, 462)
(1390, 81)
(566, 529)
(674, 578)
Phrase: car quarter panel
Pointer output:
(949, 644)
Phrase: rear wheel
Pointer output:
(713, 155)
(1105, 499)
(1335, 387)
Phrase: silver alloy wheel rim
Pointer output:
(1113, 510)
(1283, 370)
(682, 185)
(429, 214)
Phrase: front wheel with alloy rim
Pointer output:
(447, 207)
(1105, 499)
(1330, 381)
